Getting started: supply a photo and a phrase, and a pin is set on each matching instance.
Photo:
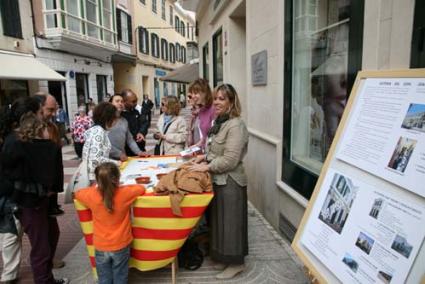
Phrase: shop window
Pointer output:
(205, 62)
(323, 46)
(11, 18)
(10, 90)
(218, 58)
(143, 40)
(417, 54)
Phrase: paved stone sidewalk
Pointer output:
(270, 260)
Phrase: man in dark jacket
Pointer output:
(147, 106)
(137, 123)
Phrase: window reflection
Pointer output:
(319, 74)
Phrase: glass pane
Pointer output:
(93, 31)
(319, 79)
(51, 21)
(72, 7)
(106, 4)
(91, 12)
(107, 36)
(107, 19)
(124, 27)
(73, 24)
(50, 4)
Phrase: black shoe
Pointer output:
(57, 211)
(61, 281)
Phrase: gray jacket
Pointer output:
(226, 150)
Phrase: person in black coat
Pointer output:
(36, 166)
(10, 227)
(137, 123)
(147, 106)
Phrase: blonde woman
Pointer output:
(172, 128)
(227, 144)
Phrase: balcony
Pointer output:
(81, 27)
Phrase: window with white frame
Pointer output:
(50, 17)
(92, 18)
(163, 10)
(155, 45)
(107, 21)
(124, 26)
(73, 15)
(154, 6)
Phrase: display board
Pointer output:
(365, 222)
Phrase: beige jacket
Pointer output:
(175, 138)
(226, 150)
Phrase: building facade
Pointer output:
(78, 40)
(161, 31)
(293, 64)
(15, 38)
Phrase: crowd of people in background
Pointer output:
(104, 135)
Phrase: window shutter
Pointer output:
(119, 24)
(130, 30)
(11, 18)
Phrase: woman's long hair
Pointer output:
(108, 179)
(30, 127)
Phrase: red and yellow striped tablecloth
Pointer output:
(158, 233)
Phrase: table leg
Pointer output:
(174, 266)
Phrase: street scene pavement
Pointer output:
(270, 259)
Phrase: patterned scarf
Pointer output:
(217, 124)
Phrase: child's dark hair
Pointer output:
(108, 180)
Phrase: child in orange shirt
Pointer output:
(110, 205)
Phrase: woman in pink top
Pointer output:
(202, 120)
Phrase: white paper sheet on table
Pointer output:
(147, 167)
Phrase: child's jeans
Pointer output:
(112, 266)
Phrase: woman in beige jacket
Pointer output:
(171, 128)
(227, 145)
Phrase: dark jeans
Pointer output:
(43, 233)
(78, 147)
(112, 266)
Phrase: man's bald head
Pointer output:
(130, 99)
(48, 104)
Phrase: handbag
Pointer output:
(157, 150)
(80, 179)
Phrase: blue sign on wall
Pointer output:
(160, 73)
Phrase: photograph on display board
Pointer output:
(415, 118)
(401, 246)
(402, 153)
(350, 262)
(384, 277)
(364, 242)
(376, 208)
(338, 202)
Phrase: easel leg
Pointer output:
(174, 271)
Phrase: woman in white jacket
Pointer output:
(171, 128)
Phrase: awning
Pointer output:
(185, 74)
(25, 67)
